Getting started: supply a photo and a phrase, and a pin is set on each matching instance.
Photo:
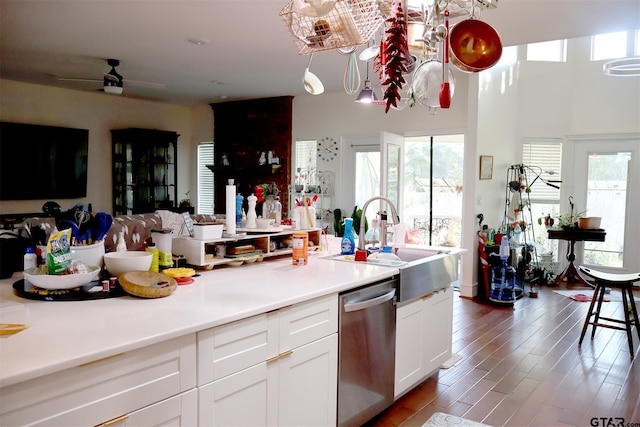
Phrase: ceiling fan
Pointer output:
(113, 82)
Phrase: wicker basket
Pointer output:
(349, 23)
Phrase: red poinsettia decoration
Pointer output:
(396, 55)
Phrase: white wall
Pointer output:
(547, 100)
(43, 105)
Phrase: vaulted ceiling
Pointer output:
(246, 50)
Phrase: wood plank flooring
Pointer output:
(521, 366)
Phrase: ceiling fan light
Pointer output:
(114, 90)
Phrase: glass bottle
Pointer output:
(272, 209)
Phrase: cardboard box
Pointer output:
(207, 231)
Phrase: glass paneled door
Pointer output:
(606, 178)
(433, 174)
(378, 170)
(429, 200)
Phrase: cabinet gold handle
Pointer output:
(286, 353)
(279, 356)
(113, 421)
(100, 360)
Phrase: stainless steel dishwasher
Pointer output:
(366, 355)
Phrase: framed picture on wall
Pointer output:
(486, 167)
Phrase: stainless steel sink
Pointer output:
(423, 269)
(427, 270)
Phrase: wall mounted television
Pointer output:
(42, 162)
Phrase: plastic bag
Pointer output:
(58, 253)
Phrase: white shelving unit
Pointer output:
(201, 253)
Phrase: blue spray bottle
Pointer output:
(239, 200)
(348, 243)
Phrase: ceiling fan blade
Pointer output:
(144, 84)
(111, 77)
(69, 79)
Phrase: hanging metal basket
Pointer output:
(349, 23)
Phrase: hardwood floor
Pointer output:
(521, 366)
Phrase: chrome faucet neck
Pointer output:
(394, 217)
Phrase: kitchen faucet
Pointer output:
(383, 231)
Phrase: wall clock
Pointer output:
(327, 149)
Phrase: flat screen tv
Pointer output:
(42, 162)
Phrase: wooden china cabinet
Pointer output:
(144, 170)
(243, 130)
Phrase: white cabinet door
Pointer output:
(303, 323)
(439, 325)
(180, 410)
(236, 346)
(423, 338)
(92, 393)
(410, 357)
(280, 368)
(308, 384)
(240, 399)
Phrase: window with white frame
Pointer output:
(609, 46)
(205, 178)
(306, 156)
(551, 51)
(544, 158)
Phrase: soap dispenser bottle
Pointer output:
(348, 243)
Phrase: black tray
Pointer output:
(28, 291)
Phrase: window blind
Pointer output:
(205, 178)
(306, 156)
(544, 158)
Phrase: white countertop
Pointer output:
(62, 335)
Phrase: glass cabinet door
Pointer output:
(144, 170)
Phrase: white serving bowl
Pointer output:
(89, 254)
(264, 223)
(60, 281)
(118, 263)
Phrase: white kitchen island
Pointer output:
(137, 353)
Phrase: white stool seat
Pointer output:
(625, 283)
(610, 277)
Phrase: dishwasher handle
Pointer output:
(361, 305)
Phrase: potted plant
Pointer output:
(185, 204)
(338, 224)
(547, 220)
(567, 220)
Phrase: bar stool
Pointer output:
(624, 282)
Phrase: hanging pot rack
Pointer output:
(345, 25)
